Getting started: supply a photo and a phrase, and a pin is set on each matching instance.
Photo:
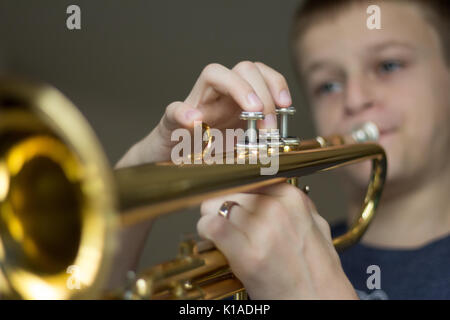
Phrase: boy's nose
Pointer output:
(359, 95)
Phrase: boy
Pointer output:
(397, 77)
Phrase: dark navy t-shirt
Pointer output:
(420, 273)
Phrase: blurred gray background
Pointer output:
(132, 58)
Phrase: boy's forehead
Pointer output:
(347, 32)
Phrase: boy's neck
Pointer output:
(412, 218)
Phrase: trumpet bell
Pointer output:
(57, 204)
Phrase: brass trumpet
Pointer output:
(61, 204)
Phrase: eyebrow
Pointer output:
(322, 64)
(391, 43)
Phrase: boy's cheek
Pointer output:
(328, 119)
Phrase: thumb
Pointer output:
(178, 115)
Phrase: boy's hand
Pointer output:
(277, 245)
(217, 98)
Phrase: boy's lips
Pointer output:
(387, 131)
(387, 134)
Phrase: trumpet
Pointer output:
(62, 205)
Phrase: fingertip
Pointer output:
(284, 99)
(189, 115)
(192, 114)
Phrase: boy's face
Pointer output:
(395, 77)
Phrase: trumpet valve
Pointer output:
(252, 130)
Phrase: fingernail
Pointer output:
(285, 98)
(270, 121)
(254, 100)
(193, 114)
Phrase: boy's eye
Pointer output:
(389, 66)
(327, 88)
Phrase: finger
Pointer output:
(323, 226)
(246, 200)
(227, 83)
(303, 208)
(250, 72)
(242, 216)
(320, 221)
(258, 216)
(282, 189)
(179, 115)
(226, 237)
(277, 85)
(292, 198)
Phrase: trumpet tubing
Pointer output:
(62, 205)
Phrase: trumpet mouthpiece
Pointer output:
(367, 132)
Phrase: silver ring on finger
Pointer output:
(225, 209)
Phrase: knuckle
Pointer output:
(172, 109)
(169, 119)
(276, 76)
(271, 205)
(261, 64)
(291, 191)
(244, 66)
(274, 212)
(210, 70)
(205, 207)
(173, 106)
(323, 224)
